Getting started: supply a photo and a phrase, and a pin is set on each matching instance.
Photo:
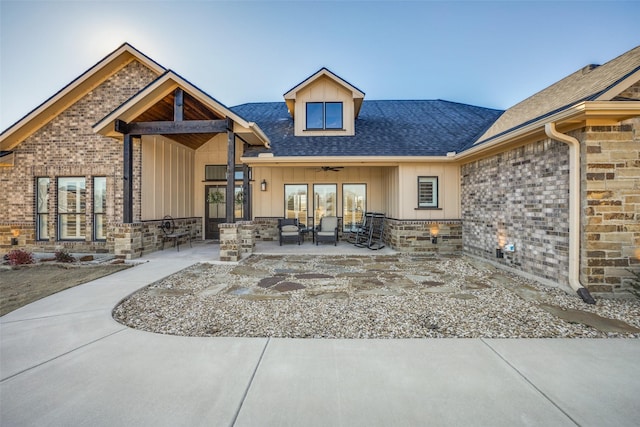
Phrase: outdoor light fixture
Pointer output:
(263, 185)
(434, 233)
(14, 239)
(499, 253)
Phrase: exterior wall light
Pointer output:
(263, 185)
(434, 233)
(499, 253)
(14, 239)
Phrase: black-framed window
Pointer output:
(99, 207)
(325, 201)
(42, 208)
(296, 202)
(427, 192)
(219, 173)
(324, 115)
(72, 208)
(354, 205)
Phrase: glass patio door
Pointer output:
(325, 200)
(354, 204)
(295, 196)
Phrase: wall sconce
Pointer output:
(434, 233)
(14, 239)
(499, 253)
(263, 185)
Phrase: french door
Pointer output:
(215, 208)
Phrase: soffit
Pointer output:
(163, 110)
(156, 103)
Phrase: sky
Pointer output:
(487, 53)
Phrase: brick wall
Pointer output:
(611, 208)
(67, 146)
(520, 197)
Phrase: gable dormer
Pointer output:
(324, 105)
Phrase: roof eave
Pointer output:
(158, 90)
(69, 94)
(582, 112)
(270, 160)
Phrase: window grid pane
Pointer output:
(71, 208)
(238, 200)
(296, 202)
(354, 205)
(325, 200)
(42, 208)
(333, 115)
(315, 115)
(99, 208)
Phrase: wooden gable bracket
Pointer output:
(177, 127)
(178, 105)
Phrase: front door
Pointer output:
(214, 210)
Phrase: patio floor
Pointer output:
(326, 291)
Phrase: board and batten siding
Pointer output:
(270, 203)
(167, 178)
(448, 192)
(324, 90)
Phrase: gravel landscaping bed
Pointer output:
(399, 296)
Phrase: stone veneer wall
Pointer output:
(415, 236)
(266, 229)
(141, 238)
(520, 197)
(67, 146)
(611, 206)
(236, 239)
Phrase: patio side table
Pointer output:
(304, 231)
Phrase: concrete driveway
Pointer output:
(65, 361)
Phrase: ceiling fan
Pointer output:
(332, 168)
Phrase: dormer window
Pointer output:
(324, 105)
(324, 115)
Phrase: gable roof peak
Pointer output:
(324, 72)
(73, 91)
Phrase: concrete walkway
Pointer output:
(65, 362)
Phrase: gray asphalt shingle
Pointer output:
(383, 128)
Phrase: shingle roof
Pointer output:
(383, 128)
(586, 84)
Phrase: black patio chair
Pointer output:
(327, 231)
(288, 231)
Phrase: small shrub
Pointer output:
(64, 256)
(20, 257)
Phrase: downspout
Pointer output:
(574, 210)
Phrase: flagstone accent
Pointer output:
(611, 217)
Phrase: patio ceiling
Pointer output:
(191, 120)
